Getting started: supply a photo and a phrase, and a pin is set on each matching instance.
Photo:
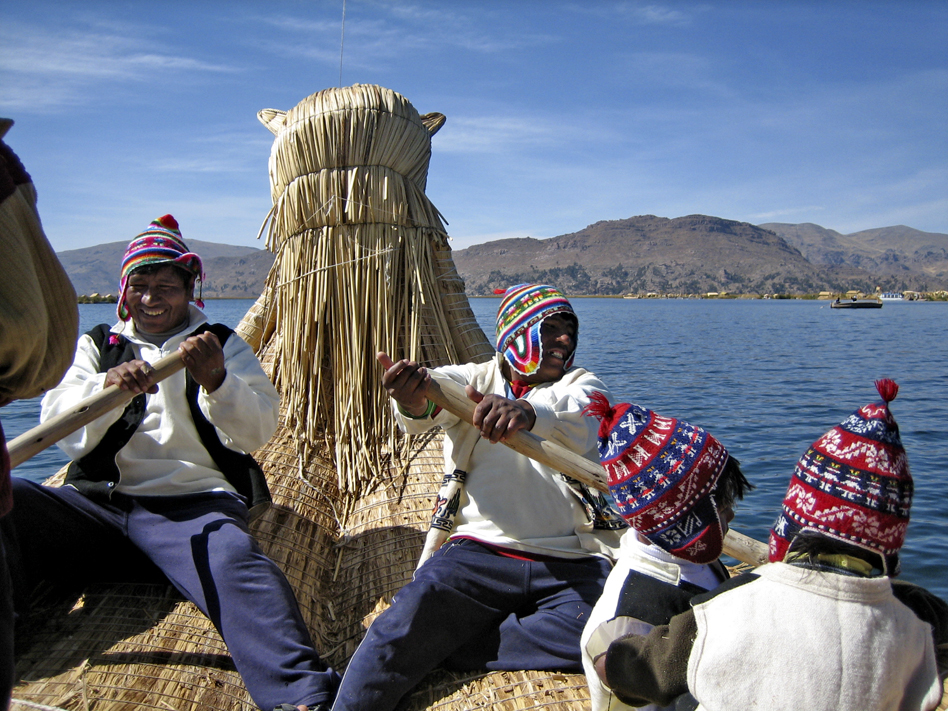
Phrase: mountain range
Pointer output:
(232, 271)
(694, 254)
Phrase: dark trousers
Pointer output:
(469, 608)
(201, 542)
(6, 632)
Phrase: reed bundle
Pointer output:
(355, 269)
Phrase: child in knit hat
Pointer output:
(675, 485)
(823, 626)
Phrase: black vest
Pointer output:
(96, 474)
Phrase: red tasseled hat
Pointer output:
(852, 484)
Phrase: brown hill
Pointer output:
(690, 255)
(693, 254)
(900, 257)
(232, 271)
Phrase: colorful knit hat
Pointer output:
(160, 243)
(662, 472)
(853, 484)
(521, 312)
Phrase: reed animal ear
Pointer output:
(274, 119)
(433, 122)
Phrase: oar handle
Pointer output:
(451, 396)
(54, 429)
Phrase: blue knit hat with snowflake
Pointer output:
(661, 474)
(519, 317)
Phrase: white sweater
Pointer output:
(801, 639)
(165, 456)
(511, 500)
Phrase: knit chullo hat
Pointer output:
(521, 312)
(160, 243)
(662, 472)
(853, 484)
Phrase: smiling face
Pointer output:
(157, 299)
(558, 341)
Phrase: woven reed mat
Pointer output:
(362, 264)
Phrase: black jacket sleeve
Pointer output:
(931, 609)
(652, 668)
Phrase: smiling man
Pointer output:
(518, 576)
(168, 483)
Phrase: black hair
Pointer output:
(809, 545)
(187, 277)
(732, 484)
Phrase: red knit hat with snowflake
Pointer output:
(853, 484)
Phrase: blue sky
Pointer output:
(559, 113)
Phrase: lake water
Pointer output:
(767, 378)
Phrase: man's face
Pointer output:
(558, 339)
(158, 302)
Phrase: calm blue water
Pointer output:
(767, 378)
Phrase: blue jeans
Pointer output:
(201, 542)
(469, 608)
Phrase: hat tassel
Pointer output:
(598, 406)
(888, 389)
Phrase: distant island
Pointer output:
(695, 255)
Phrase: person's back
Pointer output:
(824, 625)
(39, 320)
(814, 640)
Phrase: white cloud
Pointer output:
(47, 70)
(641, 13)
(495, 134)
(773, 215)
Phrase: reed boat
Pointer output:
(362, 264)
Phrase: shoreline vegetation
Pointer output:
(822, 296)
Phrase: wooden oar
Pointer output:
(54, 429)
(451, 396)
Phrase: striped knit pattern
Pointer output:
(160, 243)
(661, 473)
(853, 484)
(521, 312)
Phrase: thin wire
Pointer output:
(342, 41)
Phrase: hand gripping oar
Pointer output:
(451, 396)
(54, 429)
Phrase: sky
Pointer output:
(560, 113)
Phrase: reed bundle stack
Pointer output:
(362, 264)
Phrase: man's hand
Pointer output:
(498, 417)
(203, 356)
(133, 376)
(406, 383)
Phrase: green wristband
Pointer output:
(428, 410)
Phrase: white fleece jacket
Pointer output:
(165, 456)
(801, 639)
(511, 500)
